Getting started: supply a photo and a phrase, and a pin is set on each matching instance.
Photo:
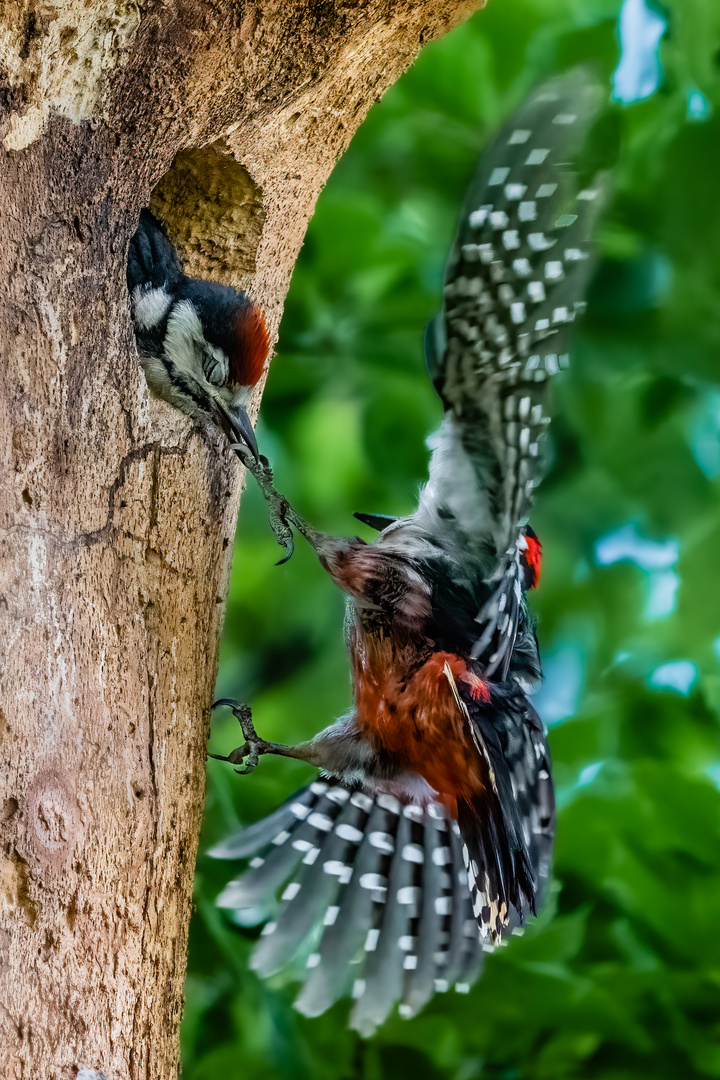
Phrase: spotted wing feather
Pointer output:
(515, 281)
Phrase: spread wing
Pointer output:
(515, 281)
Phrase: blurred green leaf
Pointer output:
(620, 976)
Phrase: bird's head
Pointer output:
(212, 355)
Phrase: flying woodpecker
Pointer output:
(427, 837)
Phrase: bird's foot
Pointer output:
(253, 747)
(281, 515)
(278, 506)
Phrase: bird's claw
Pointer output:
(252, 748)
(235, 757)
(289, 545)
(278, 505)
(278, 524)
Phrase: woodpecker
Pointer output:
(428, 837)
(202, 345)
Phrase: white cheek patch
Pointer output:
(184, 339)
(149, 306)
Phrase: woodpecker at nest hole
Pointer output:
(202, 345)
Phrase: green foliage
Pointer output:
(620, 976)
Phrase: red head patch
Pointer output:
(250, 346)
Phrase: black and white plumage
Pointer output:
(377, 895)
(514, 283)
(429, 839)
(202, 345)
(374, 896)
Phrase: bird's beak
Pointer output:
(380, 522)
(236, 425)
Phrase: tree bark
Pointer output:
(116, 515)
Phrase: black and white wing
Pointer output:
(515, 281)
(508, 829)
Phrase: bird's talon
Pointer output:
(253, 746)
(242, 451)
(278, 504)
(234, 757)
(289, 546)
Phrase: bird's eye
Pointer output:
(215, 366)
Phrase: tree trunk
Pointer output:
(116, 515)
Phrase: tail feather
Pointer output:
(251, 839)
(311, 895)
(280, 847)
(380, 888)
(330, 967)
(461, 918)
(384, 970)
(473, 960)
(432, 944)
(411, 942)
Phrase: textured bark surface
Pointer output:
(116, 515)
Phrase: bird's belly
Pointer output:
(419, 725)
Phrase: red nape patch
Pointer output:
(251, 346)
(533, 557)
